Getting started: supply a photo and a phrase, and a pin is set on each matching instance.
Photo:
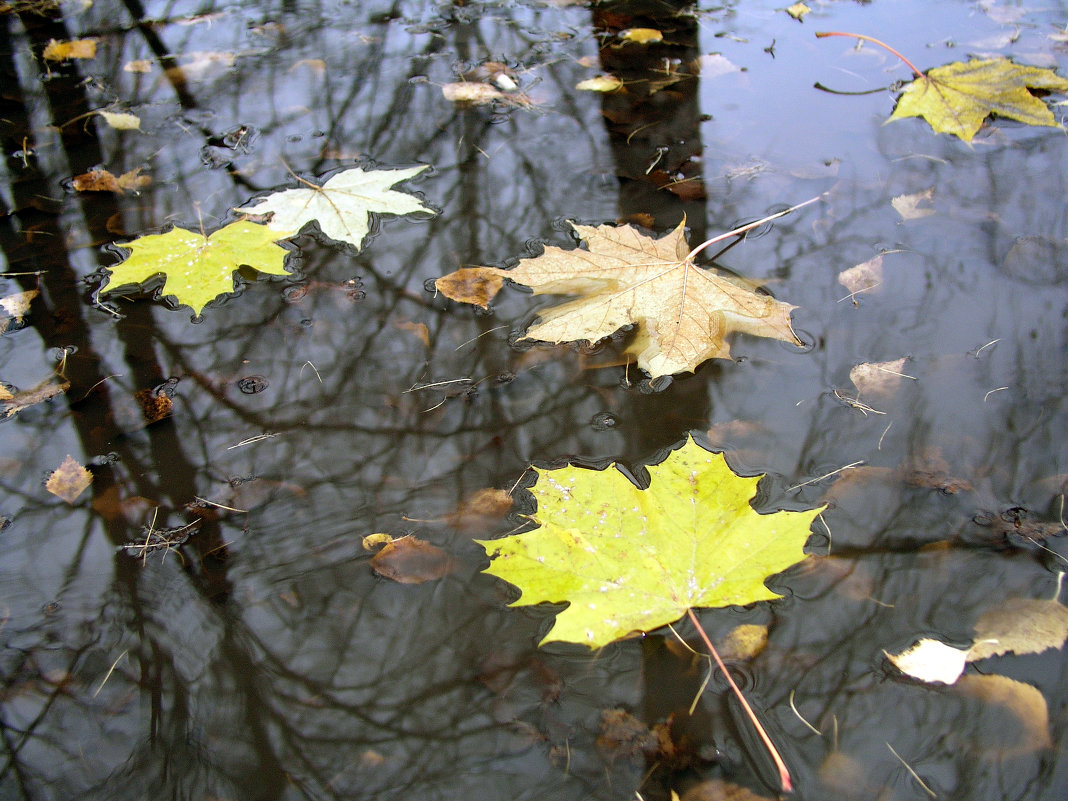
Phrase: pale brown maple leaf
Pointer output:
(683, 312)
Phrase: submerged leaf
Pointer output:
(410, 560)
(1020, 626)
(879, 379)
(683, 312)
(913, 207)
(863, 277)
(481, 509)
(630, 560)
(342, 206)
(744, 642)
(1028, 714)
(198, 268)
(957, 97)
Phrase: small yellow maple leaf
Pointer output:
(634, 560)
(199, 268)
(683, 312)
(958, 97)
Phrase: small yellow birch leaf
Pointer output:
(683, 312)
(931, 661)
(602, 83)
(628, 560)
(77, 48)
(641, 35)
(958, 97)
(69, 480)
(199, 268)
(798, 10)
(121, 120)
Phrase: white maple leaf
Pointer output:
(342, 206)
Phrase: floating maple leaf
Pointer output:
(199, 268)
(683, 312)
(342, 206)
(956, 98)
(634, 560)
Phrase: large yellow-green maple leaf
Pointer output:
(199, 268)
(631, 560)
(957, 97)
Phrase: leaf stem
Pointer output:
(784, 774)
(748, 227)
(915, 70)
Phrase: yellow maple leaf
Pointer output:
(958, 97)
(199, 268)
(683, 312)
(634, 560)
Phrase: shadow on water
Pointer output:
(204, 620)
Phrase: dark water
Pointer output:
(262, 658)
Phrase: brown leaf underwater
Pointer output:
(409, 560)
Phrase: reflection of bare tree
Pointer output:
(263, 658)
